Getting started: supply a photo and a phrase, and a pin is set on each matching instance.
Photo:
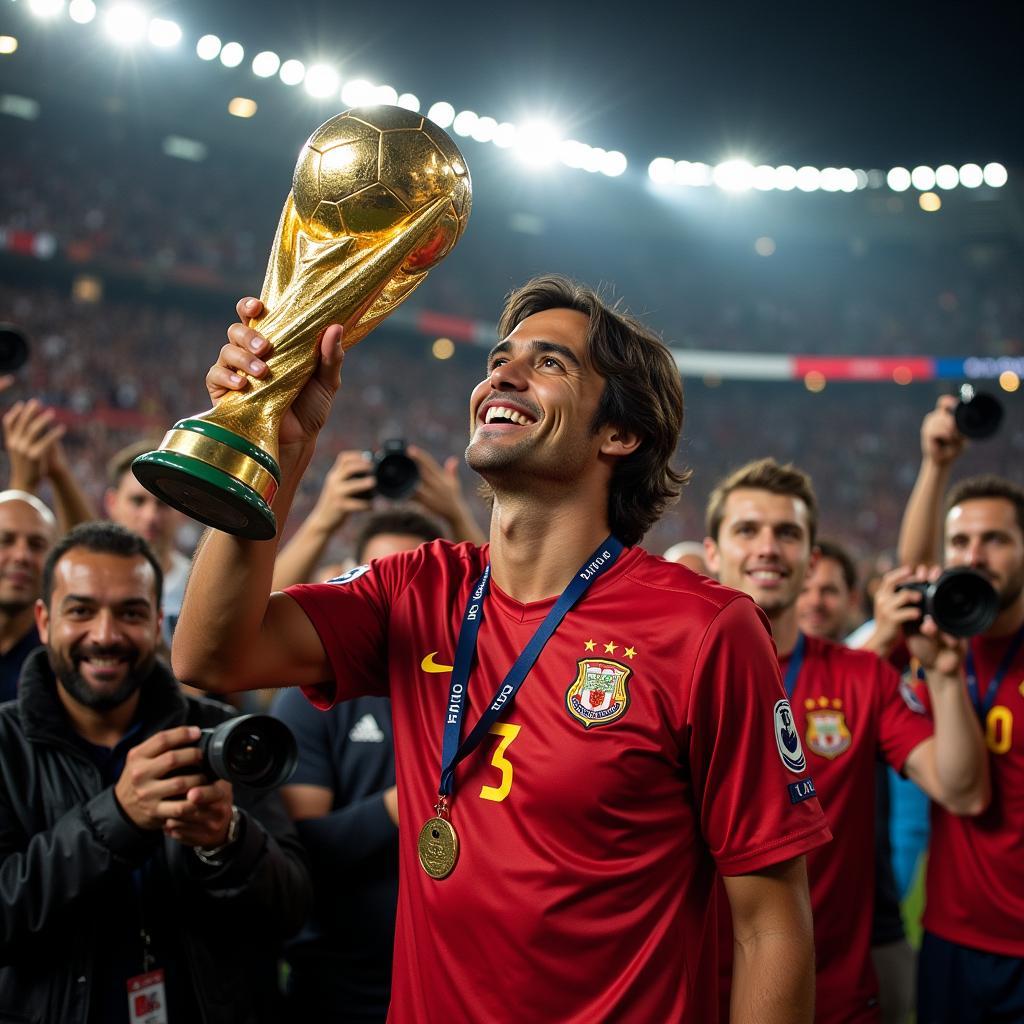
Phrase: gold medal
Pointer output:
(438, 846)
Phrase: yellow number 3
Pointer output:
(507, 733)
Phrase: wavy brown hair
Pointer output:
(643, 395)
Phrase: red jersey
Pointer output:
(975, 883)
(592, 823)
(849, 711)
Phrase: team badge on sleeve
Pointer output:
(352, 574)
(598, 694)
(787, 739)
(827, 733)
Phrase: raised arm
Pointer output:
(920, 540)
(232, 634)
(773, 942)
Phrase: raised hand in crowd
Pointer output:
(440, 492)
(32, 438)
(941, 445)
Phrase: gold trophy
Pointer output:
(379, 196)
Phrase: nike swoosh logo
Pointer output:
(429, 665)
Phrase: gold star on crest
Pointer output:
(609, 648)
(589, 644)
(630, 652)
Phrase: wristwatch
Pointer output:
(211, 855)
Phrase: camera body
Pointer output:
(13, 348)
(256, 751)
(961, 601)
(395, 474)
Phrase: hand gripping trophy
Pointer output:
(379, 196)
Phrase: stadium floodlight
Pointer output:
(695, 174)
(386, 95)
(242, 106)
(785, 178)
(292, 72)
(81, 12)
(929, 202)
(662, 170)
(613, 164)
(763, 178)
(734, 175)
(232, 55)
(164, 33)
(464, 123)
(898, 179)
(765, 246)
(946, 176)
(358, 93)
(409, 100)
(537, 144)
(442, 114)
(46, 8)
(808, 179)
(995, 175)
(592, 158)
(831, 179)
(8, 44)
(208, 48)
(125, 23)
(484, 129)
(505, 135)
(322, 81)
(971, 176)
(862, 177)
(922, 178)
(266, 64)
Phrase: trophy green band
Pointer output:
(221, 467)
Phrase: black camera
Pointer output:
(961, 601)
(978, 414)
(395, 473)
(256, 751)
(13, 348)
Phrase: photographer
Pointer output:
(124, 873)
(345, 491)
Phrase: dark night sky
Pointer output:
(859, 84)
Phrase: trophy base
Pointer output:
(213, 476)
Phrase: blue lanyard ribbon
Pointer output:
(984, 705)
(796, 662)
(451, 752)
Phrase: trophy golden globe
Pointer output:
(379, 196)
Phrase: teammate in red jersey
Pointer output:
(650, 746)
(761, 524)
(971, 965)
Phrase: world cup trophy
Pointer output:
(379, 196)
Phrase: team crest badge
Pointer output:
(598, 694)
(787, 739)
(827, 733)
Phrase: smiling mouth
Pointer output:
(508, 416)
(766, 575)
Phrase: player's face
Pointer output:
(534, 411)
(133, 507)
(983, 533)
(763, 547)
(102, 626)
(25, 539)
(825, 602)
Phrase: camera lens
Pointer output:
(257, 751)
(963, 603)
(978, 414)
(13, 348)
(397, 474)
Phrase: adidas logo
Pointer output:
(366, 730)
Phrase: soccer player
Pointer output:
(558, 866)
(971, 965)
(761, 523)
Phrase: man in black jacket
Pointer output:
(131, 887)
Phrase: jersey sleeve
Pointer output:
(315, 764)
(755, 808)
(901, 726)
(350, 615)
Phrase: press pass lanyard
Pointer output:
(984, 704)
(451, 752)
(796, 662)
